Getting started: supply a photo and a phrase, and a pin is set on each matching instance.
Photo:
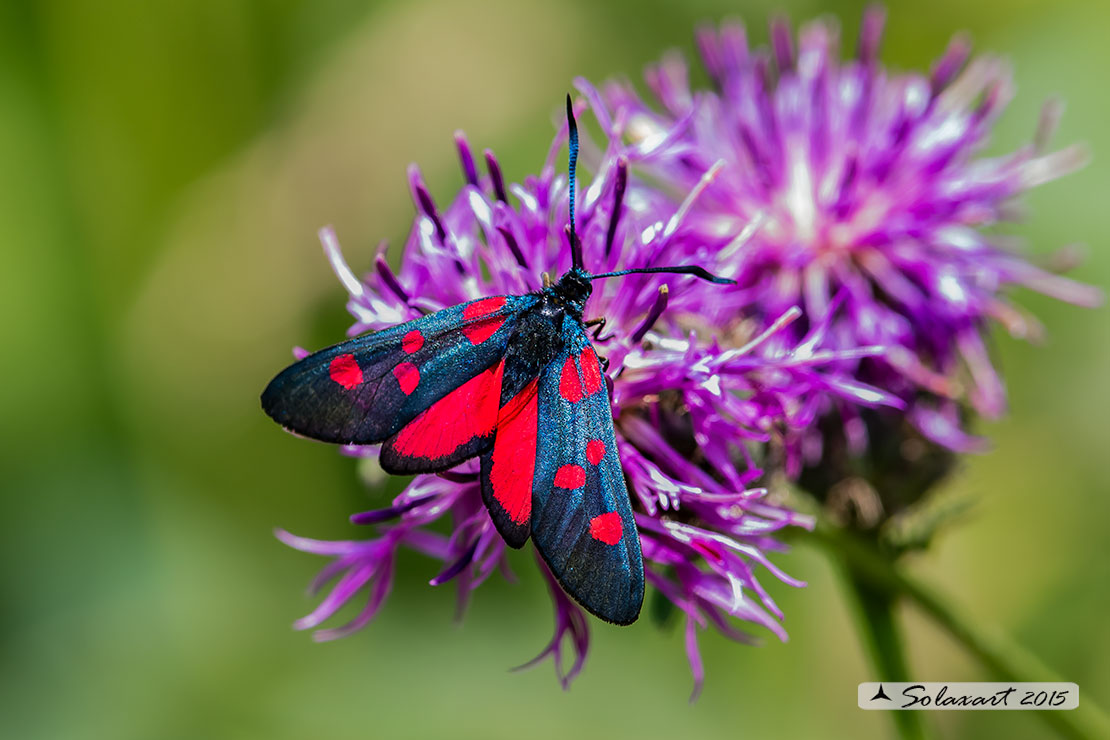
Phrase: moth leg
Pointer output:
(600, 324)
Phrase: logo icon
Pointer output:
(880, 694)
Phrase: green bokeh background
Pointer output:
(165, 168)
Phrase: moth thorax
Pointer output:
(573, 288)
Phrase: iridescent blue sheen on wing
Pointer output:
(364, 390)
(582, 521)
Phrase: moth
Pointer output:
(515, 381)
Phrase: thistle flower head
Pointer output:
(870, 195)
(691, 396)
(847, 202)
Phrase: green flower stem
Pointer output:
(879, 628)
(1006, 659)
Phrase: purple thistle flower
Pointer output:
(691, 396)
(870, 199)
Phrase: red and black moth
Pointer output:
(515, 381)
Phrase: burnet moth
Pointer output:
(514, 380)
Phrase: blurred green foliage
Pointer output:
(165, 168)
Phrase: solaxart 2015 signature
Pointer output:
(967, 695)
(917, 694)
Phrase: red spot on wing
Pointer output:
(570, 476)
(591, 371)
(484, 307)
(413, 341)
(514, 454)
(480, 331)
(408, 377)
(570, 385)
(467, 412)
(344, 370)
(607, 528)
(595, 451)
(483, 330)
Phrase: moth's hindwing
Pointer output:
(582, 520)
(367, 390)
(508, 468)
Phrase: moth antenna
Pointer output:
(572, 165)
(694, 270)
